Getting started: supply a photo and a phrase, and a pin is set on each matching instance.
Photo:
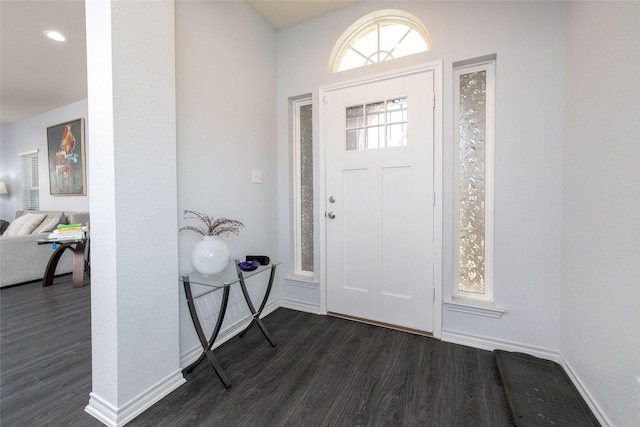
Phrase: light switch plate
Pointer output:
(256, 176)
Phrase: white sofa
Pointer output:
(23, 260)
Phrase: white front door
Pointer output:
(379, 168)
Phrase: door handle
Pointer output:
(331, 214)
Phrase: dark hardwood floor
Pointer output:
(45, 355)
(324, 372)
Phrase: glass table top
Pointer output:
(226, 277)
(60, 241)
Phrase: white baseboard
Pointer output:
(102, 410)
(116, 417)
(491, 344)
(301, 306)
(593, 405)
(487, 343)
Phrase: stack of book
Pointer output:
(67, 232)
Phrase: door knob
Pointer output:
(331, 214)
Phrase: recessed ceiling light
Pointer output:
(54, 35)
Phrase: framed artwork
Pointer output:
(67, 168)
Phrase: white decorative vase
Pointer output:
(210, 256)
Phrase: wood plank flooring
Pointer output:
(45, 355)
(324, 371)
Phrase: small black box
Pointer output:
(262, 259)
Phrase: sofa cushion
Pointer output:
(24, 224)
(3, 226)
(50, 222)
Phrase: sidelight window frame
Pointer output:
(302, 229)
(459, 70)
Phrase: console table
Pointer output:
(196, 285)
(80, 263)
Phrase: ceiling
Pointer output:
(38, 74)
(284, 14)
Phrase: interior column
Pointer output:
(134, 256)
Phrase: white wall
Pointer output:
(134, 294)
(600, 323)
(31, 134)
(226, 126)
(528, 40)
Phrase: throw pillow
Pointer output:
(24, 224)
(50, 223)
(15, 226)
(3, 226)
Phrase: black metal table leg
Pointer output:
(256, 314)
(206, 345)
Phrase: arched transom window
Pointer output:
(377, 37)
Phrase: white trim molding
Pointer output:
(116, 417)
(26, 153)
(478, 308)
(588, 398)
(491, 344)
(488, 66)
(301, 282)
(301, 306)
(488, 343)
(370, 22)
(297, 178)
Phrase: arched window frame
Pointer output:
(365, 24)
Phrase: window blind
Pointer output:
(30, 180)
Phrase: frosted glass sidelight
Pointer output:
(306, 187)
(303, 195)
(380, 124)
(472, 156)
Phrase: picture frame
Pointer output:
(67, 159)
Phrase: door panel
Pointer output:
(379, 149)
(396, 214)
(356, 236)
